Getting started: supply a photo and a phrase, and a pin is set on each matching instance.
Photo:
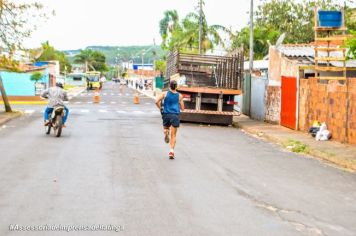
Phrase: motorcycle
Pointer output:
(56, 121)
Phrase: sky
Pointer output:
(81, 23)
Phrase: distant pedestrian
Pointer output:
(102, 80)
(172, 106)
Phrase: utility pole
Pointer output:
(251, 58)
(251, 38)
(200, 24)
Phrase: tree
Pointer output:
(99, 62)
(261, 37)
(161, 65)
(37, 76)
(295, 18)
(49, 53)
(14, 28)
(351, 44)
(93, 60)
(184, 35)
(167, 25)
(15, 24)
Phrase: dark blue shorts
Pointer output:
(171, 120)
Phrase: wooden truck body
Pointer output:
(208, 85)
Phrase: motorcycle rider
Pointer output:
(56, 97)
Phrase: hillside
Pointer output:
(126, 53)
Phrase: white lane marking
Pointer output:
(147, 103)
(29, 111)
(104, 94)
(112, 94)
(124, 102)
(113, 102)
(103, 111)
(155, 112)
(102, 102)
(120, 94)
(89, 102)
(138, 112)
(122, 112)
(83, 94)
(127, 94)
(78, 102)
(84, 110)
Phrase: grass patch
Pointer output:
(296, 146)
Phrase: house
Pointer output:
(294, 98)
(20, 87)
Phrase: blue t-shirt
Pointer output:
(171, 103)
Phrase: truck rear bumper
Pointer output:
(208, 117)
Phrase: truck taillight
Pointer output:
(231, 102)
(186, 97)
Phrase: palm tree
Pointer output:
(86, 57)
(184, 35)
(210, 34)
(168, 25)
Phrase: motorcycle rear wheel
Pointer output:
(58, 126)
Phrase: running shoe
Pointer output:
(171, 155)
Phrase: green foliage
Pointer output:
(16, 21)
(9, 64)
(51, 54)
(351, 45)
(261, 37)
(94, 60)
(161, 65)
(297, 146)
(184, 35)
(114, 55)
(36, 76)
(295, 18)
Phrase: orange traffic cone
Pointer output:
(136, 99)
(96, 96)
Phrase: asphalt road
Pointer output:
(111, 168)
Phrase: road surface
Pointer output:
(110, 169)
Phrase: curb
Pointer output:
(26, 103)
(313, 153)
(14, 115)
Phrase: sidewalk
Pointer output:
(5, 116)
(342, 155)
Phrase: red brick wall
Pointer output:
(327, 103)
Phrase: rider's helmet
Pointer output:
(59, 84)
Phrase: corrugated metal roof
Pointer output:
(307, 52)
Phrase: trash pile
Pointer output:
(320, 131)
